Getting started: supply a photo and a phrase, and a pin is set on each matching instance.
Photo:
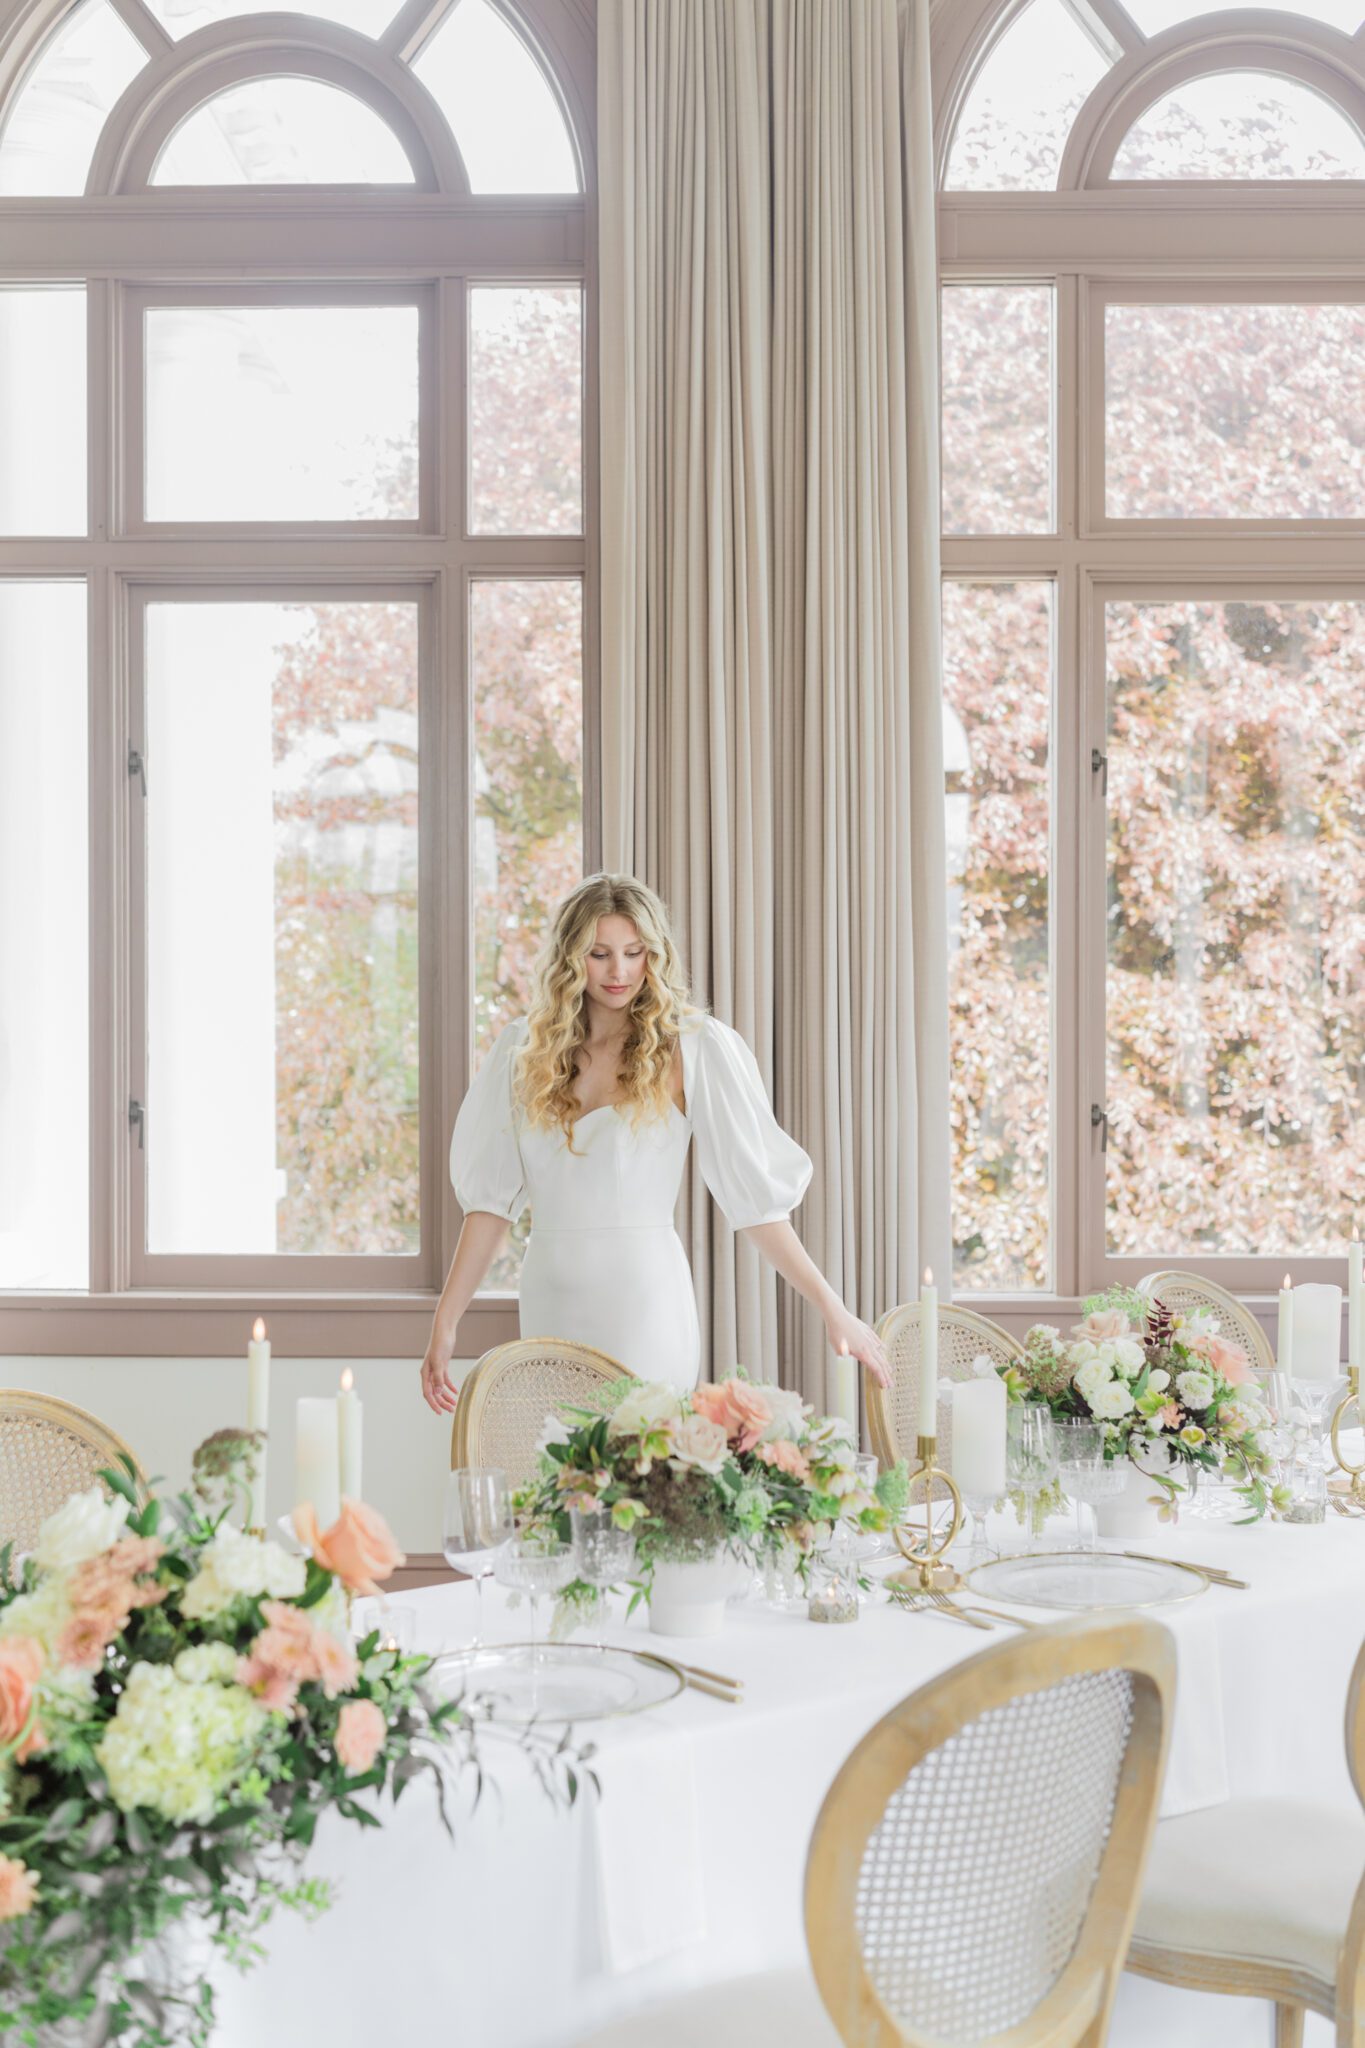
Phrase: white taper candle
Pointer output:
(1284, 1337)
(928, 1356)
(845, 1403)
(258, 1411)
(350, 1425)
(1355, 1321)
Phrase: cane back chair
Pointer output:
(893, 1412)
(49, 1449)
(510, 1394)
(1186, 1291)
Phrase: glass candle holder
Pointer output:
(834, 1597)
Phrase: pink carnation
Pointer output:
(787, 1456)
(360, 1733)
(1171, 1416)
(275, 1689)
(83, 1642)
(742, 1410)
(336, 1663)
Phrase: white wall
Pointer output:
(163, 1407)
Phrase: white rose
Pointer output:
(1091, 1380)
(1128, 1355)
(81, 1528)
(1195, 1389)
(1111, 1401)
(699, 1443)
(1087, 1352)
(789, 1415)
(646, 1407)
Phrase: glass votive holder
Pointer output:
(833, 1597)
(397, 1625)
(1308, 1493)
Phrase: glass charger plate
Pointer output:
(559, 1681)
(1083, 1579)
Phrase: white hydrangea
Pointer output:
(42, 1614)
(176, 1746)
(1195, 1389)
(207, 1663)
(645, 1408)
(236, 1566)
(81, 1528)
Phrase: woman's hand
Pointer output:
(438, 1392)
(846, 1333)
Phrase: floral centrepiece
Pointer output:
(180, 1703)
(1172, 1394)
(734, 1465)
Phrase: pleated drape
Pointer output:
(770, 685)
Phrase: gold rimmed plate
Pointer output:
(1084, 1581)
(559, 1682)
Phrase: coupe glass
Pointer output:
(476, 1527)
(1030, 1457)
(1085, 1473)
(603, 1554)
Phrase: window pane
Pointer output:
(282, 412)
(998, 683)
(1020, 110)
(1154, 15)
(507, 122)
(997, 409)
(182, 17)
(1234, 412)
(1236, 978)
(42, 411)
(527, 658)
(81, 70)
(1241, 124)
(44, 943)
(526, 409)
(283, 131)
(282, 991)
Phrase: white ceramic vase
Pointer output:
(1132, 1512)
(689, 1599)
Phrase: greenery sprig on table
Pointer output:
(180, 1703)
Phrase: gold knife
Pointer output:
(1214, 1573)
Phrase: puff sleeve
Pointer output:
(755, 1171)
(485, 1158)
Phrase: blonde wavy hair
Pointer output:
(557, 1020)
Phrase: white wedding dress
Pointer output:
(604, 1265)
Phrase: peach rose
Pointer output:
(1228, 1359)
(21, 1661)
(1102, 1325)
(743, 1411)
(358, 1547)
(787, 1456)
(360, 1732)
(18, 1888)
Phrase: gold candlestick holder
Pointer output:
(929, 1573)
(1351, 1399)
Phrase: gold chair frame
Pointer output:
(1075, 2011)
(486, 1389)
(47, 1415)
(899, 1331)
(1293, 1991)
(1233, 1312)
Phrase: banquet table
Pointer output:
(540, 1922)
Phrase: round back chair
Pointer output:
(49, 1449)
(974, 1871)
(1183, 1291)
(513, 1390)
(893, 1412)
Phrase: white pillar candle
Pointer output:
(978, 1461)
(317, 1459)
(258, 1411)
(1317, 1331)
(928, 1356)
(350, 1422)
(844, 1396)
(1284, 1339)
(1355, 1322)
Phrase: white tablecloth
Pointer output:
(538, 1923)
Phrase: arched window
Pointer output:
(293, 516)
(1153, 346)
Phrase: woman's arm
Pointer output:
(482, 1237)
(781, 1246)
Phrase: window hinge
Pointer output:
(137, 766)
(137, 1116)
(1099, 1119)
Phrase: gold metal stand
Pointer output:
(1355, 1473)
(931, 1574)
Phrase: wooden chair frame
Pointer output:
(1243, 1322)
(1075, 2013)
(480, 1389)
(107, 1445)
(881, 1421)
(1293, 1991)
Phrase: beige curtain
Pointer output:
(770, 690)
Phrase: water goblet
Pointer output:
(1030, 1457)
(1086, 1475)
(535, 1563)
(476, 1526)
(603, 1554)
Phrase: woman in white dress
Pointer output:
(584, 1110)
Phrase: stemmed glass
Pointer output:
(604, 1555)
(535, 1563)
(1086, 1475)
(1030, 1457)
(476, 1527)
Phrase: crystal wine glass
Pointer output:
(535, 1563)
(1030, 1457)
(1085, 1473)
(477, 1525)
(603, 1554)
